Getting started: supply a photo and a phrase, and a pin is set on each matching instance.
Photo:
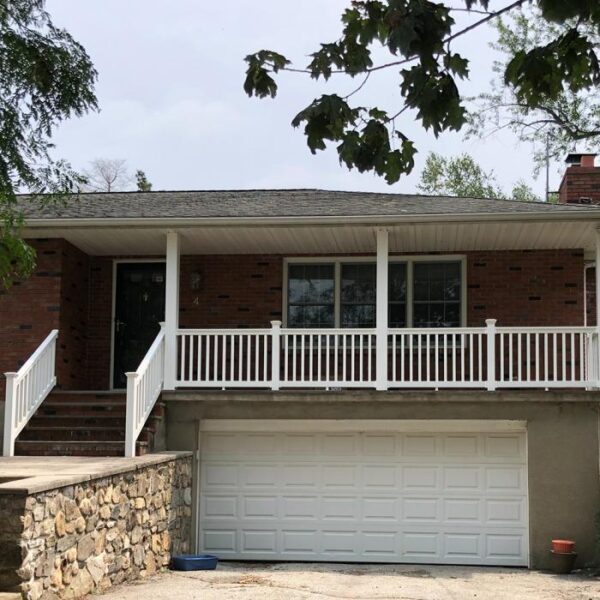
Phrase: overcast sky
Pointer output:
(172, 104)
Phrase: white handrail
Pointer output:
(143, 389)
(27, 389)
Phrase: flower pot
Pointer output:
(562, 562)
(563, 546)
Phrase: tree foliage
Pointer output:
(45, 77)
(557, 121)
(106, 175)
(418, 35)
(142, 183)
(462, 176)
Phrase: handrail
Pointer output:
(27, 389)
(143, 389)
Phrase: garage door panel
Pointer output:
(418, 478)
(395, 497)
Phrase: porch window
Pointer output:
(421, 293)
(436, 294)
(311, 295)
(357, 298)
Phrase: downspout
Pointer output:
(589, 265)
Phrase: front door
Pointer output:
(139, 308)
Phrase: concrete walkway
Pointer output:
(295, 581)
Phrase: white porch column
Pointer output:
(171, 309)
(381, 311)
(596, 368)
(597, 272)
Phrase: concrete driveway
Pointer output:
(306, 581)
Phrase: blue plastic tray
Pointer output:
(194, 562)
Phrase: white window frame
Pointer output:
(409, 260)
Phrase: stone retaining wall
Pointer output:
(86, 537)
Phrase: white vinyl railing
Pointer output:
(487, 357)
(328, 358)
(143, 389)
(26, 390)
(438, 357)
(546, 357)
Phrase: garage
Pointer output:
(451, 492)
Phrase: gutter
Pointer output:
(185, 222)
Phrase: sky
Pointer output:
(172, 103)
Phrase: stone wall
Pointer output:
(90, 536)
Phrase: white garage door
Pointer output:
(373, 497)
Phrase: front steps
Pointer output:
(84, 424)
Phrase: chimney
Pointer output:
(581, 181)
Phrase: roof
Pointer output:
(240, 204)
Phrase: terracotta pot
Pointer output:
(562, 562)
(563, 546)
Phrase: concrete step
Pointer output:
(74, 448)
(88, 423)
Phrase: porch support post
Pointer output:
(381, 312)
(171, 309)
(597, 280)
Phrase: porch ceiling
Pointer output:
(451, 236)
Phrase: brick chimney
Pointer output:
(581, 181)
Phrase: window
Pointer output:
(357, 297)
(311, 296)
(436, 294)
(397, 295)
(421, 293)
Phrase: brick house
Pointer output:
(363, 377)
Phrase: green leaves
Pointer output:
(258, 81)
(435, 97)
(327, 118)
(545, 71)
(45, 77)
(418, 35)
(363, 135)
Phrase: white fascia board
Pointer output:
(183, 222)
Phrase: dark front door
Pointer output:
(139, 308)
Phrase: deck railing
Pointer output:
(26, 390)
(487, 357)
(143, 389)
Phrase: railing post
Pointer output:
(275, 354)
(491, 354)
(130, 424)
(9, 416)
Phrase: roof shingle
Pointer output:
(274, 203)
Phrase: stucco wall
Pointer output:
(562, 432)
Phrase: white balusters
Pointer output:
(544, 357)
(144, 386)
(26, 390)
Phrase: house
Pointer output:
(363, 377)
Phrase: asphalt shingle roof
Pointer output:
(275, 203)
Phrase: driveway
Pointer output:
(307, 581)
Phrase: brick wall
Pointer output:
(54, 297)
(73, 321)
(537, 288)
(580, 182)
(31, 308)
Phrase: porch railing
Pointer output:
(143, 389)
(487, 357)
(27, 389)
